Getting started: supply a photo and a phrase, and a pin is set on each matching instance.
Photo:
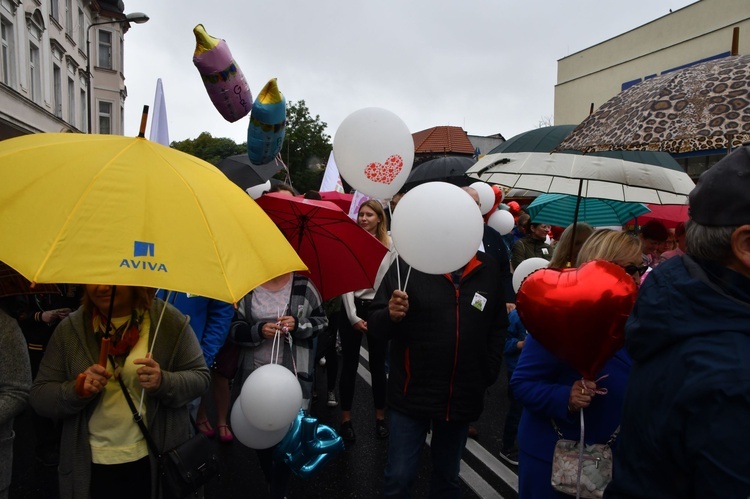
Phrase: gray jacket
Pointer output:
(73, 348)
(15, 381)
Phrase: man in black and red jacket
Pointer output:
(447, 333)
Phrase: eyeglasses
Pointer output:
(632, 269)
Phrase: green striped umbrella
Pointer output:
(559, 209)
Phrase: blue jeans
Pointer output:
(405, 446)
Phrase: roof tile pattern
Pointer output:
(442, 139)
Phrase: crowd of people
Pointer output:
(673, 403)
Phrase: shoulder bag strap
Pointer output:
(609, 442)
(137, 417)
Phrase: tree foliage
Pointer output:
(209, 148)
(305, 149)
(306, 146)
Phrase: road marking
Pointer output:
(467, 474)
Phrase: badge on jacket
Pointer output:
(478, 302)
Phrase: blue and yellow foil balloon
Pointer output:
(222, 76)
(265, 133)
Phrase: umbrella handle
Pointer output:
(104, 352)
(81, 389)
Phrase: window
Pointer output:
(122, 120)
(81, 26)
(71, 101)
(57, 82)
(69, 17)
(122, 55)
(105, 117)
(35, 70)
(6, 52)
(105, 49)
(83, 112)
(54, 10)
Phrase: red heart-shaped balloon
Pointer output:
(385, 173)
(579, 314)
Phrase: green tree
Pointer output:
(211, 149)
(306, 147)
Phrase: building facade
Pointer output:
(698, 32)
(44, 62)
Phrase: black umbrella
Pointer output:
(242, 172)
(446, 168)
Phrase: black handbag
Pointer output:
(184, 469)
(188, 467)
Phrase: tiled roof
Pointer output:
(439, 139)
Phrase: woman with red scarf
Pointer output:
(103, 452)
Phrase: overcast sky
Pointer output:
(488, 66)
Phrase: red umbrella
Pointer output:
(668, 214)
(340, 199)
(340, 254)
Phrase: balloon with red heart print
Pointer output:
(374, 152)
(579, 314)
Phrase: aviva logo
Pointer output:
(143, 249)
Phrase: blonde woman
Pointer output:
(562, 257)
(370, 217)
(550, 389)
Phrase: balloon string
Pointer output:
(598, 391)
(153, 342)
(291, 348)
(275, 347)
(408, 273)
(398, 267)
(580, 458)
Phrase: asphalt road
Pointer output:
(355, 473)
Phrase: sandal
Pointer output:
(205, 428)
(225, 434)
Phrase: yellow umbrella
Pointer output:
(105, 209)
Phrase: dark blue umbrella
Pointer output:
(444, 169)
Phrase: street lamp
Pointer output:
(134, 17)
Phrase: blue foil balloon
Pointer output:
(265, 133)
(308, 446)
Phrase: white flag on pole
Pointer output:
(331, 179)
(357, 201)
(159, 127)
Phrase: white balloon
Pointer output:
(251, 436)
(257, 191)
(502, 221)
(374, 152)
(437, 228)
(271, 397)
(486, 196)
(525, 269)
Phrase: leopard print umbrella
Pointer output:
(701, 107)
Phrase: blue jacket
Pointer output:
(516, 332)
(209, 318)
(686, 422)
(542, 383)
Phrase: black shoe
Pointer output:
(510, 456)
(347, 431)
(381, 430)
